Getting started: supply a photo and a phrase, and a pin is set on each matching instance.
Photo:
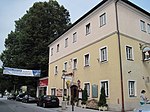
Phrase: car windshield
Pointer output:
(50, 97)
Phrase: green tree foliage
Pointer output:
(102, 98)
(4, 82)
(84, 95)
(27, 46)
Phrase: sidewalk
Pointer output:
(78, 109)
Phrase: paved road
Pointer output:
(14, 106)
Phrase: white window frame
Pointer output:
(105, 55)
(65, 66)
(143, 25)
(53, 88)
(102, 19)
(86, 63)
(56, 70)
(107, 91)
(88, 89)
(73, 63)
(66, 42)
(74, 37)
(148, 28)
(129, 55)
(134, 94)
(52, 50)
(88, 28)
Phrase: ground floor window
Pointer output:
(105, 84)
(132, 88)
(87, 86)
(53, 91)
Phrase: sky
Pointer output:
(12, 10)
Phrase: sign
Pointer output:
(59, 92)
(94, 91)
(21, 72)
(43, 82)
(80, 94)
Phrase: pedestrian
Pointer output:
(143, 99)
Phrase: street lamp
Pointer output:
(63, 77)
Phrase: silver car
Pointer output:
(143, 108)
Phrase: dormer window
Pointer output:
(88, 29)
(57, 47)
(146, 53)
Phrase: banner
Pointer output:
(21, 72)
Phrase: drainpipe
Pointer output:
(120, 57)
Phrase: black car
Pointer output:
(11, 97)
(48, 101)
(29, 99)
(19, 97)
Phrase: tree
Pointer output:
(27, 46)
(102, 98)
(84, 95)
(5, 83)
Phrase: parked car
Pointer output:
(11, 97)
(1, 95)
(48, 101)
(29, 99)
(143, 108)
(19, 97)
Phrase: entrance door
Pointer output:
(74, 93)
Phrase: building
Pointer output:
(109, 46)
(42, 88)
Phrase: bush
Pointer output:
(84, 96)
(102, 98)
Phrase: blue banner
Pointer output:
(21, 72)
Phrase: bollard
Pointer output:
(73, 106)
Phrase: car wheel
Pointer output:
(44, 105)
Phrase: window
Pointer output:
(74, 63)
(74, 37)
(148, 28)
(102, 19)
(132, 91)
(66, 42)
(51, 51)
(87, 86)
(143, 28)
(88, 29)
(56, 70)
(65, 66)
(146, 53)
(57, 47)
(53, 91)
(86, 60)
(103, 54)
(105, 85)
(129, 53)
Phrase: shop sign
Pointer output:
(43, 82)
(59, 92)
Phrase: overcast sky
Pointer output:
(11, 10)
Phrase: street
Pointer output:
(14, 106)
